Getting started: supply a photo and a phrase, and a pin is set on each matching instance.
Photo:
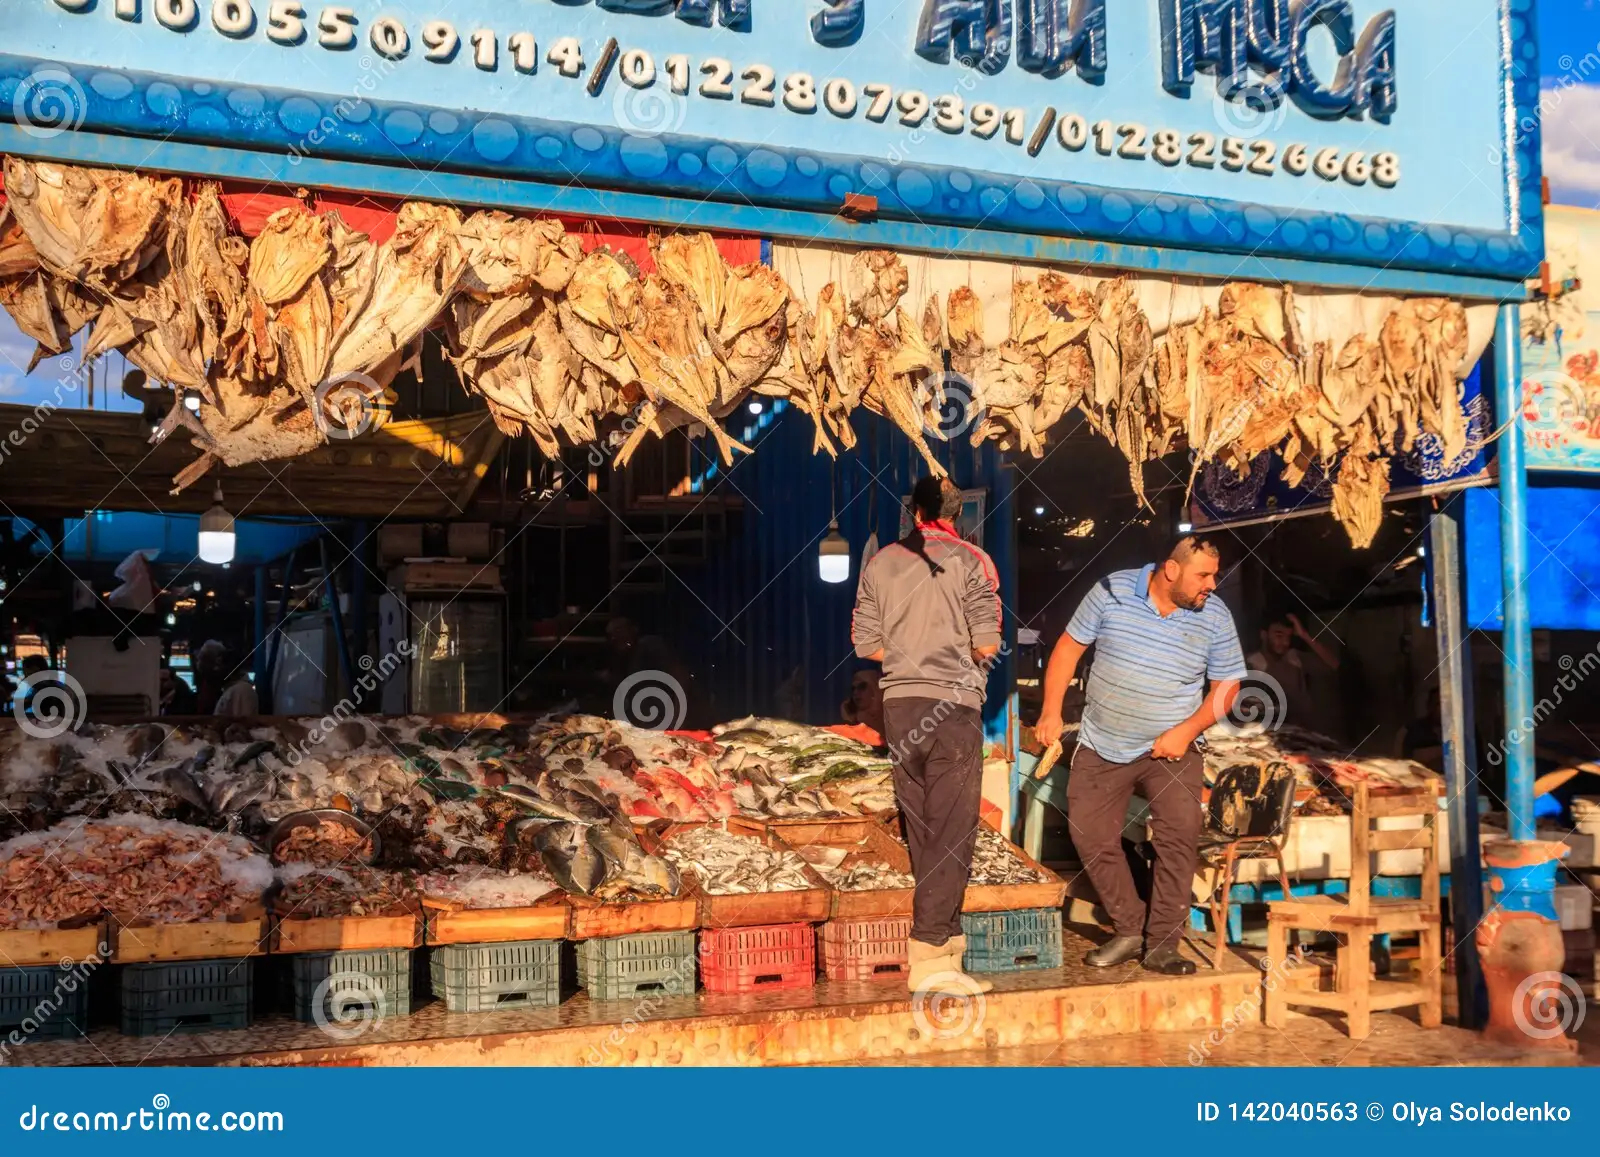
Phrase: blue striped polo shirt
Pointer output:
(1149, 672)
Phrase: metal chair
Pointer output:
(1248, 819)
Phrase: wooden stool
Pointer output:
(1356, 918)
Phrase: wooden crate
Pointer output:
(242, 935)
(864, 841)
(805, 906)
(1050, 893)
(29, 948)
(346, 933)
(595, 919)
(450, 923)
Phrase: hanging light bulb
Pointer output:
(833, 557)
(217, 537)
(756, 408)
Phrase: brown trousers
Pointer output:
(1098, 792)
(937, 749)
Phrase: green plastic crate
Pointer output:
(349, 988)
(35, 1005)
(507, 977)
(648, 964)
(187, 996)
(1020, 941)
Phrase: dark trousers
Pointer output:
(937, 748)
(1098, 792)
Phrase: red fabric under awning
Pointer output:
(248, 210)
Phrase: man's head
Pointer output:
(1190, 571)
(864, 689)
(34, 665)
(933, 499)
(212, 658)
(1277, 637)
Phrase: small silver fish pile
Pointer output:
(994, 863)
(867, 877)
(730, 865)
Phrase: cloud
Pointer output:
(1572, 143)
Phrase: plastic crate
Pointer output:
(36, 1005)
(1018, 941)
(759, 959)
(864, 949)
(350, 988)
(648, 964)
(187, 996)
(506, 977)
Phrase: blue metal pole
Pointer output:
(1517, 639)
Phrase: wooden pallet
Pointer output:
(29, 948)
(805, 906)
(865, 842)
(346, 933)
(447, 922)
(242, 935)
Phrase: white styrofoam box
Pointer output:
(1575, 907)
(1582, 845)
(1318, 848)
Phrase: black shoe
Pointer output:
(1117, 950)
(1167, 962)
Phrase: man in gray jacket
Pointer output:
(929, 610)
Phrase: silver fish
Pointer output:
(993, 862)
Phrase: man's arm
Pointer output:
(1058, 674)
(1318, 648)
(981, 603)
(866, 626)
(1176, 741)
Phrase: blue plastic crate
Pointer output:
(647, 964)
(506, 977)
(38, 1004)
(345, 988)
(1020, 941)
(187, 996)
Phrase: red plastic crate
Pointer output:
(772, 956)
(864, 949)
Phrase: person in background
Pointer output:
(176, 698)
(928, 609)
(651, 658)
(1158, 637)
(1280, 661)
(210, 676)
(865, 704)
(238, 696)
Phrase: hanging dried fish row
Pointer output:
(296, 335)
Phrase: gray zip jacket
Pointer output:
(926, 624)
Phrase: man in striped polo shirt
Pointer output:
(1158, 637)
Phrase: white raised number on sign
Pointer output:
(718, 83)
(233, 17)
(524, 52)
(338, 28)
(441, 40)
(913, 107)
(1326, 164)
(175, 14)
(800, 92)
(486, 49)
(840, 97)
(286, 22)
(882, 97)
(1386, 170)
(950, 114)
(1073, 132)
(1356, 169)
(638, 68)
(678, 73)
(567, 56)
(1296, 160)
(760, 86)
(389, 38)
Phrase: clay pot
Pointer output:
(1519, 943)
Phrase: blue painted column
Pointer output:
(1517, 637)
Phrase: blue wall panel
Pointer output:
(1563, 566)
(772, 637)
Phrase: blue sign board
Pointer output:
(1563, 588)
(1339, 130)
